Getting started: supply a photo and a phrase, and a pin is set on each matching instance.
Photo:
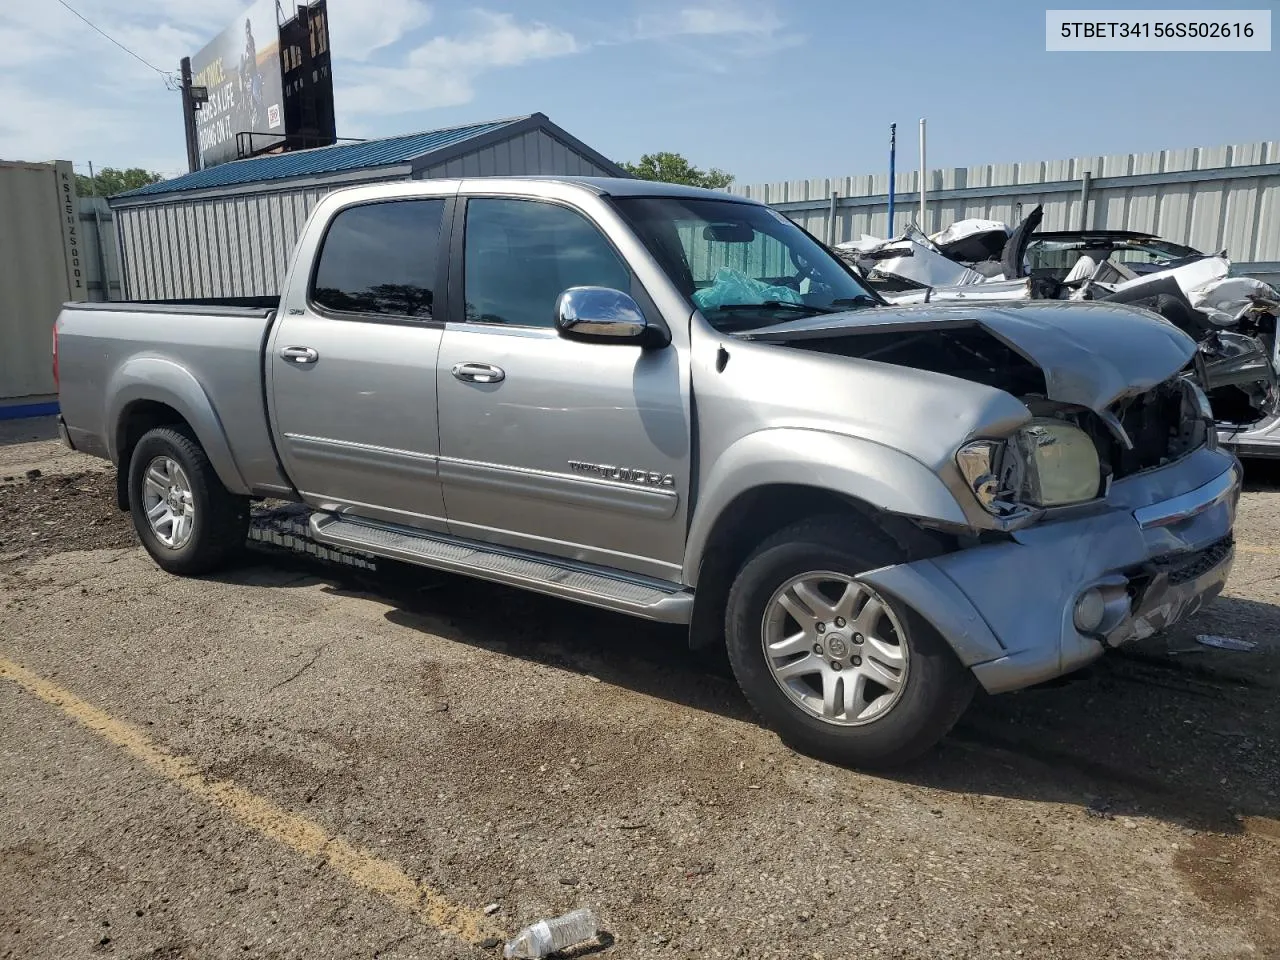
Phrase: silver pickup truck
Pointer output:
(677, 405)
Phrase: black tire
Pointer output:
(221, 519)
(937, 689)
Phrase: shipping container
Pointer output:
(42, 265)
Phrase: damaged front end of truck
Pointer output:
(1103, 516)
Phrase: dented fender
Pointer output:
(874, 474)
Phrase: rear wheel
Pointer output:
(837, 668)
(184, 516)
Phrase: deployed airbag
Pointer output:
(730, 286)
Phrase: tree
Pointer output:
(673, 168)
(109, 181)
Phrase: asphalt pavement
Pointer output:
(297, 760)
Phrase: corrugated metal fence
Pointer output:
(1211, 198)
(101, 254)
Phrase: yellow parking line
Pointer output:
(1256, 548)
(305, 836)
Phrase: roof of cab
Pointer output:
(634, 187)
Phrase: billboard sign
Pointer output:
(308, 78)
(240, 71)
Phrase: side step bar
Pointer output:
(595, 586)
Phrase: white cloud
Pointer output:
(710, 19)
(500, 41)
(725, 19)
(357, 33)
(69, 93)
(442, 71)
(39, 126)
(745, 30)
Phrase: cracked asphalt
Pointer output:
(296, 760)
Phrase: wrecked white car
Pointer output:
(1233, 319)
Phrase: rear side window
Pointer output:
(522, 254)
(381, 258)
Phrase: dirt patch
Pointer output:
(55, 514)
(1237, 878)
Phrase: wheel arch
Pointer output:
(149, 392)
(756, 514)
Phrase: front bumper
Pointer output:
(1159, 550)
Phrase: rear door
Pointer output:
(581, 450)
(352, 364)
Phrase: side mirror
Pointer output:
(605, 315)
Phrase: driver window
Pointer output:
(522, 254)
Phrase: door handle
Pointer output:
(299, 354)
(479, 372)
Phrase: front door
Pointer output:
(580, 450)
(353, 371)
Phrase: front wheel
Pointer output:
(838, 669)
(188, 521)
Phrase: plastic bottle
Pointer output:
(547, 936)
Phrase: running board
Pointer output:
(595, 586)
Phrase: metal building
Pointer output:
(229, 231)
(42, 265)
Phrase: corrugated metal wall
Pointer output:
(41, 267)
(240, 244)
(1211, 198)
(101, 255)
(236, 245)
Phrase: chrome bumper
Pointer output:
(1157, 556)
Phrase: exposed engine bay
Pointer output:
(1134, 433)
(1232, 319)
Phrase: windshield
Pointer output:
(743, 265)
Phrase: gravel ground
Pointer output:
(504, 748)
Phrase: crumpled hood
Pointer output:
(1091, 354)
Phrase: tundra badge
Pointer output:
(626, 474)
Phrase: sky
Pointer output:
(765, 89)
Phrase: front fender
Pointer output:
(162, 381)
(885, 478)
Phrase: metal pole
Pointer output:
(189, 118)
(893, 160)
(924, 183)
(831, 220)
(1085, 183)
(97, 232)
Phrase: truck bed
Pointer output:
(205, 357)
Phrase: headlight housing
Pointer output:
(1063, 463)
(1047, 463)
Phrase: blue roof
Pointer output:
(300, 163)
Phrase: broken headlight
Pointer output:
(1062, 463)
(1048, 463)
